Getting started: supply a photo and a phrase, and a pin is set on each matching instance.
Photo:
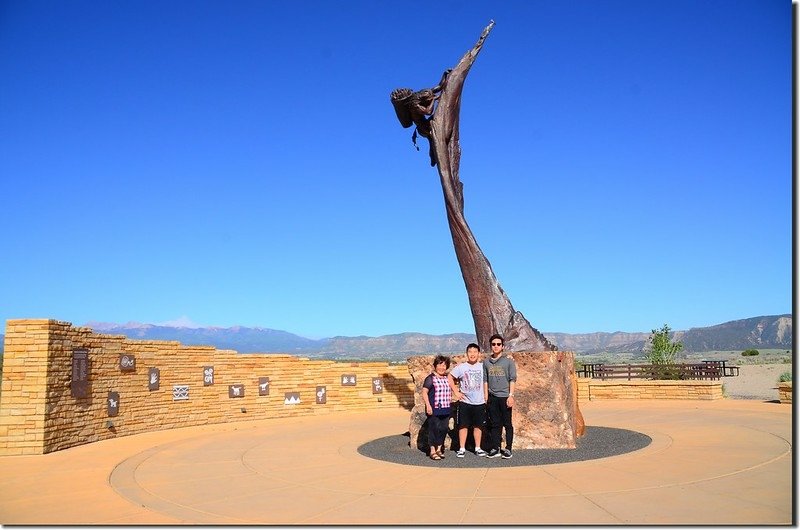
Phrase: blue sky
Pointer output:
(625, 164)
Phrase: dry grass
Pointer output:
(755, 381)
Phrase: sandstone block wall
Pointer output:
(38, 413)
(583, 389)
(645, 389)
(785, 392)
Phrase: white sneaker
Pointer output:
(480, 452)
(460, 453)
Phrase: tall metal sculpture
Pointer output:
(492, 311)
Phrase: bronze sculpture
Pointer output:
(492, 311)
(413, 108)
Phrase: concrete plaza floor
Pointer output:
(711, 462)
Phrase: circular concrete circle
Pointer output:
(597, 442)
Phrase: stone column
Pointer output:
(24, 387)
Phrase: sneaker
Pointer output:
(480, 452)
(506, 453)
(460, 453)
(493, 453)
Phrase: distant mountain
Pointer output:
(399, 346)
(239, 338)
(768, 332)
(758, 332)
(588, 343)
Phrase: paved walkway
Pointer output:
(712, 462)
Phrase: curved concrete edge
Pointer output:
(721, 462)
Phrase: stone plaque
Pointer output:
(180, 392)
(322, 395)
(377, 385)
(153, 379)
(348, 379)
(263, 386)
(113, 403)
(127, 362)
(235, 391)
(79, 385)
(291, 398)
(208, 375)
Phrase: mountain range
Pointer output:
(769, 332)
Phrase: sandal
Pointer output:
(441, 454)
(435, 456)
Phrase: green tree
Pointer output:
(660, 349)
(750, 353)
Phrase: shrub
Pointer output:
(750, 353)
(666, 372)
(785, 377)
(660, 349)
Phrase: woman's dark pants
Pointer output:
(437, 429)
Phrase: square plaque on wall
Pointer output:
(127, 362)
(322, 395)
(291, 398)
(180, 392)
(113, 403)
(79, 385)
(153, 379)
(348, 379)
(235, 391)
(208, 375)
(377, 385)
(263, 386)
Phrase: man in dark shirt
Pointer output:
(499, 379)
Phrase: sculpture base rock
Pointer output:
(546, 413)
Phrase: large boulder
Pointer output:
(546, 413)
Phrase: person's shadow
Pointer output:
(399, 387)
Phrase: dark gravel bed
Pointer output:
(597, 442)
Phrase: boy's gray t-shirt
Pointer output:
(470, 378)
(498, 373)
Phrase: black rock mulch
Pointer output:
(597, 442)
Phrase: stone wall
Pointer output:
(592, 389)
(785, 392)
(38, 413)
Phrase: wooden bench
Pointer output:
(725, 371)
(588, 370)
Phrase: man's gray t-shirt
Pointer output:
(470, 378)
(498, 372)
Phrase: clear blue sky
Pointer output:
(625, 163)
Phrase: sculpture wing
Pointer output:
(400, 98)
